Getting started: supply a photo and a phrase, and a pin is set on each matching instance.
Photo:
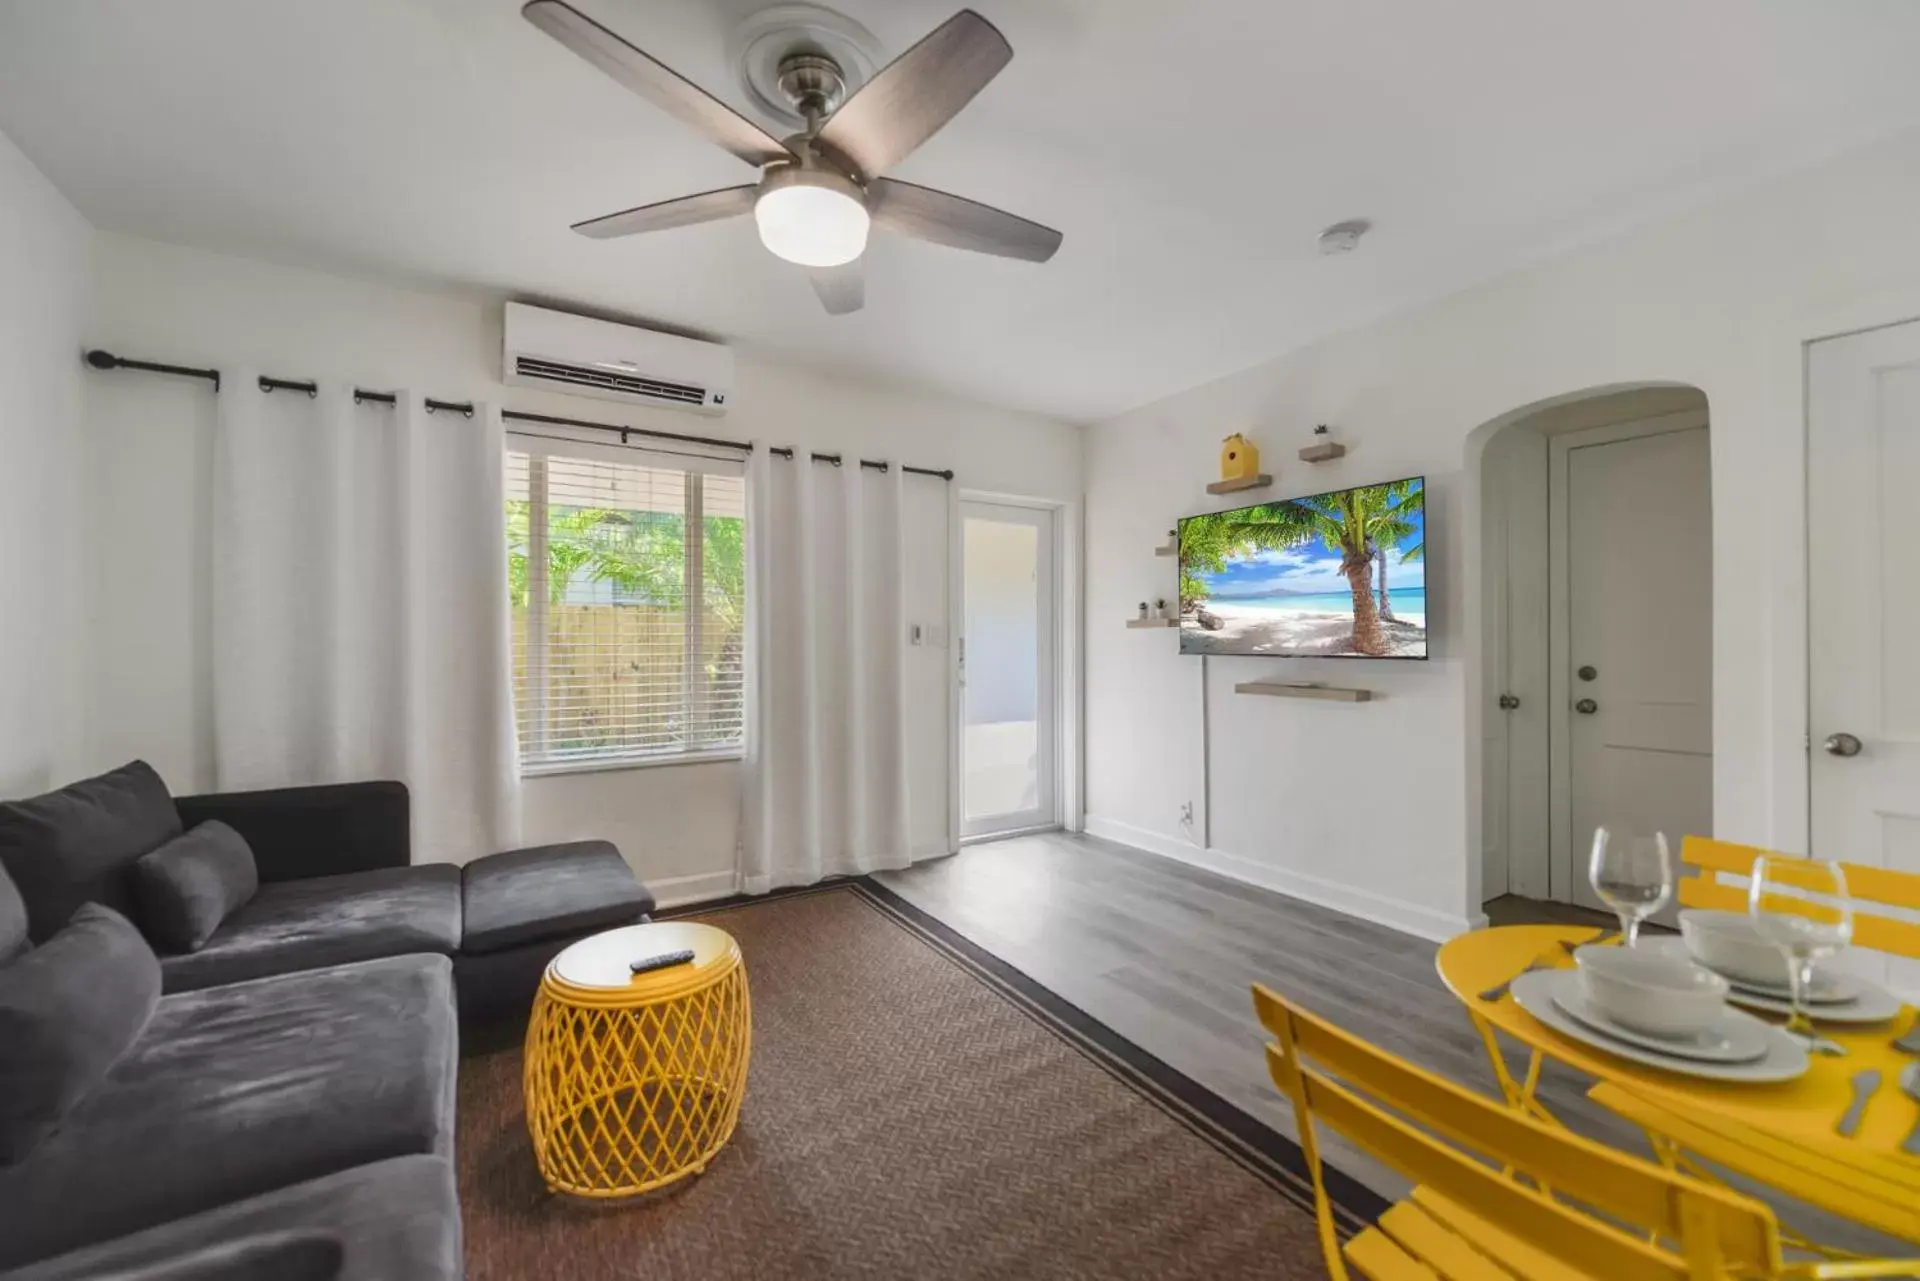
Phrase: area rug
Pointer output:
(915, 1108)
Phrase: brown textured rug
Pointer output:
(914, 1109)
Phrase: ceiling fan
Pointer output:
(821, 189)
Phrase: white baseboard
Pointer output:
(678, 891)
(1408, 918)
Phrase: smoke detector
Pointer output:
(1344, 237)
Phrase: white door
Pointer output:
(1007, 649)
(1863, 601)
(1638, 682)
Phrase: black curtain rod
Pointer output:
(870, 464)
(107, 360)
(362, 395)
(626, 430)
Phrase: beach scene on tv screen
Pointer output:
(1339, 575)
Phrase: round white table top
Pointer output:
(602, 962)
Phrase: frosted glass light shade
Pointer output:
(815, 226)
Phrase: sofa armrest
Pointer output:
(301, 832)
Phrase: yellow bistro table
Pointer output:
(635, 1081)
(1781, 1134)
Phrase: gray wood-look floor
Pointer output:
(1164, 954)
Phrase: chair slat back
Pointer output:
(1880, 885)
(1719, 1232)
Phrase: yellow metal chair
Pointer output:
(1466, 1220)
(1711, 859)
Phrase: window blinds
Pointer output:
(627, 578)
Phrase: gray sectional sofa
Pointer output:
(281, 1103)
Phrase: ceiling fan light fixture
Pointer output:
(812, 217)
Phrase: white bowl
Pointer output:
(1729, 944)
(1657, 995)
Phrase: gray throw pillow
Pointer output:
(76, 845)
(184, 889)
(68, 1010)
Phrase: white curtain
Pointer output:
(360, 618)
(826, 764)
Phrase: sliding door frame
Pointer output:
(1069, 807)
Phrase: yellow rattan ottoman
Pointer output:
(634, 1081)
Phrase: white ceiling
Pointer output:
(1190, 152)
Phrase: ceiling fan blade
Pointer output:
(956, 221)
(915, 94)
(842, 289)
(708, 206)
(658, 83)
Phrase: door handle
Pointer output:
(1586, 707)
(1842, 745)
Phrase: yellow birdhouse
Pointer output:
(1239, 458)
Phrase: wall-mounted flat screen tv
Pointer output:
(1335, 575)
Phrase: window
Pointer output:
(627, 636)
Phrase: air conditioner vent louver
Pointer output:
(606, 380)
(589, 357)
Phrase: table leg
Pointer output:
(1520, 1095)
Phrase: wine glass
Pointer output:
(1632, 872)
(1801, 907)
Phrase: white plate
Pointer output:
(1872, 1004)
(1736, 1038)
(1785, 1059)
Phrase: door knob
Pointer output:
(1842, 745)
(1509, 701)
(1586, 707)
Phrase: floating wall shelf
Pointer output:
(1323, 453)
(1326, 693)
(1153, 622)
(1235, 486)
(1170, 549)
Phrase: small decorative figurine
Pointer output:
(1239, 458)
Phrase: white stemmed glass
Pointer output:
(1633, 874)
(1801, 907)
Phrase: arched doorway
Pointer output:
(1596, 626)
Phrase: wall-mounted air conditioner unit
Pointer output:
(559, 352)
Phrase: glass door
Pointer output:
(1007, 650)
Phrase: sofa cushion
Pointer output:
(184, 889)
(68, 1010)
(551, 890)
(77, 844)
(269, 1256)
(328, 920)
(241, 1090)
(393, 1220)
(13, 920)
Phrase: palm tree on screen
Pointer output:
(1390, 526)
(1355, 524)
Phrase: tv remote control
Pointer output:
(666, 960)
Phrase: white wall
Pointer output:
(149, 462)
(44, 253)
(1375, 807)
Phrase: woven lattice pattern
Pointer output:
(625, 1099)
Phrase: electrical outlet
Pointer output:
(916, 634)
(1186, 813)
